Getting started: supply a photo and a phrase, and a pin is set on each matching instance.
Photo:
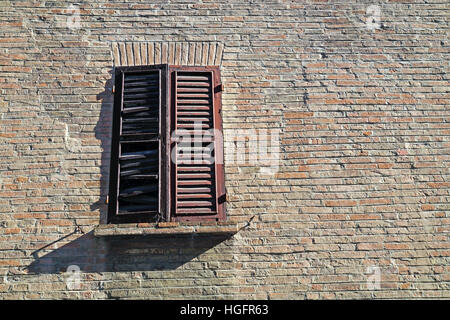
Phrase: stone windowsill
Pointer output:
(166, 228)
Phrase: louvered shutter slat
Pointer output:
(192, 90)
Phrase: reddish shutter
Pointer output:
(198, 191)
(137, 165)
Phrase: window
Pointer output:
(167, 145)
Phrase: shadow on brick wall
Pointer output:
(122, 254)
(103, 132)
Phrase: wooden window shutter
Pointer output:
(137, 190)
(197, 183)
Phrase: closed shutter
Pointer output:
(197, 176)
(137, 164)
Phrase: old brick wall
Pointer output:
(358, 208)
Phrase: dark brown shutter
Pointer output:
(137, 165)
(197, 184)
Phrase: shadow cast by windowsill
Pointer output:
(123, 254)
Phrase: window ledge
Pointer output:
(166, 228)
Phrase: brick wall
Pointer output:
(358, 207)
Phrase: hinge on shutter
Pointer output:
(222, 198)
(218, 88)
